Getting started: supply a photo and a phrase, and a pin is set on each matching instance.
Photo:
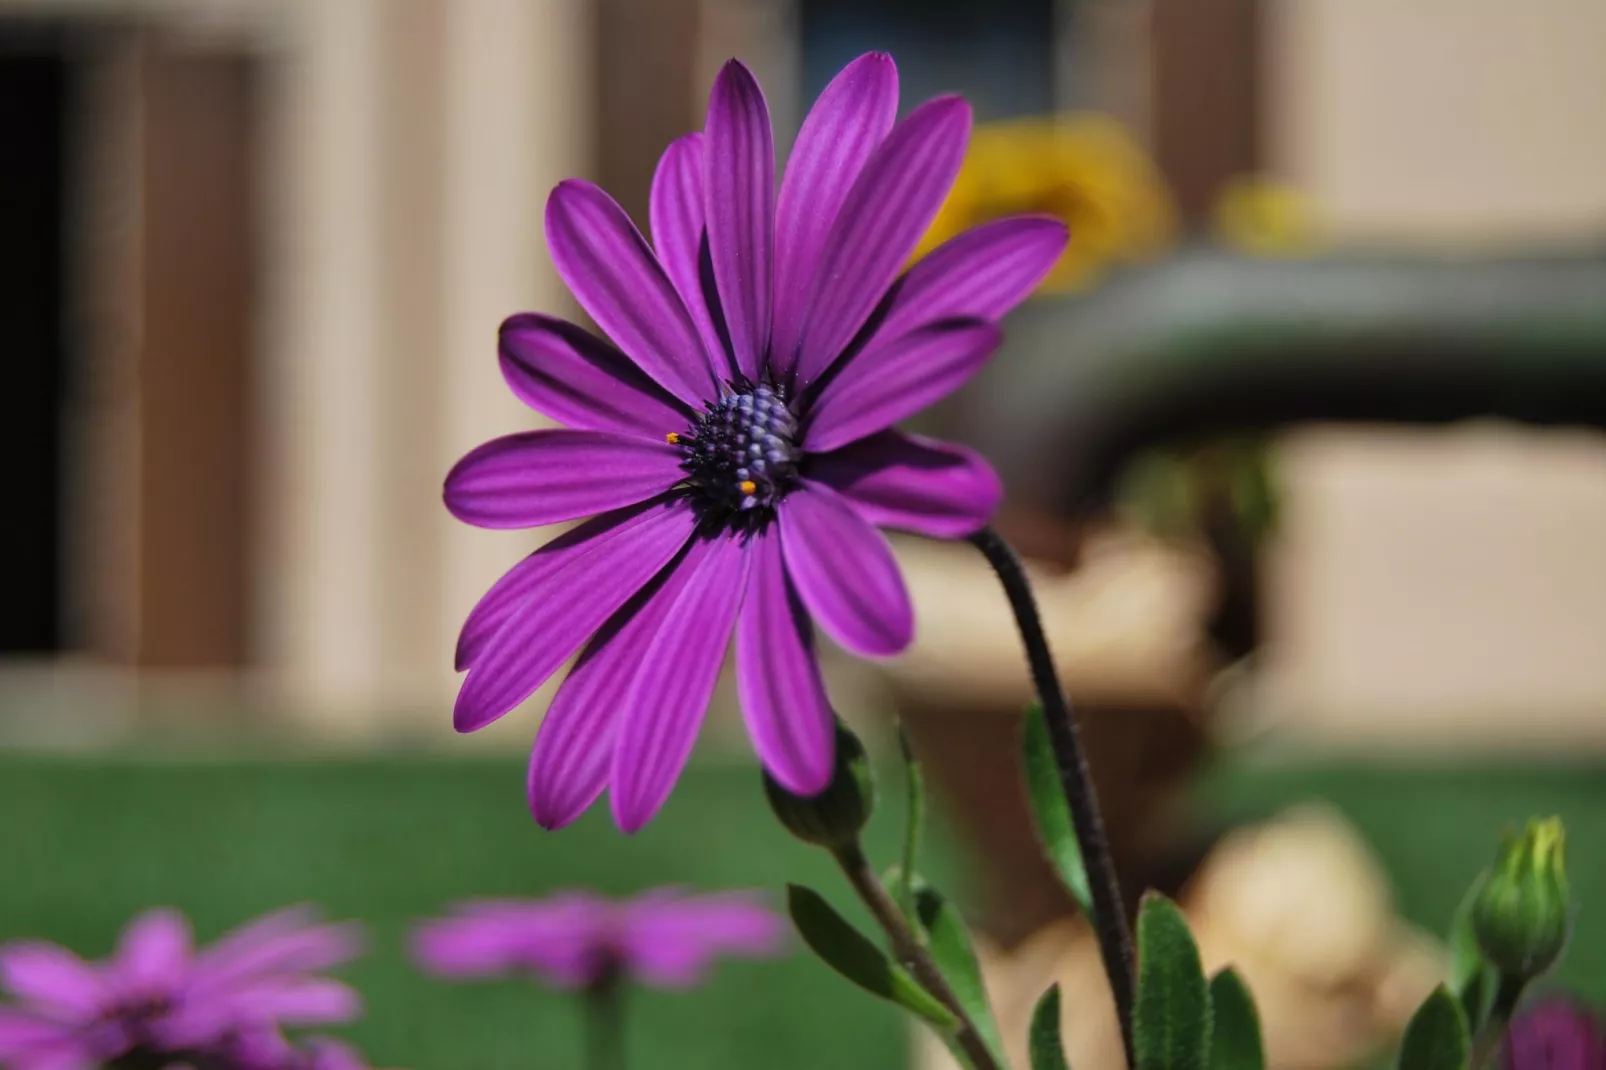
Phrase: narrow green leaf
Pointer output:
(1171, 1022)
(1235, 1042)
(849, 953)
(951, 947)
(1472, 978)
(914, 827)
(1046, 1049)
(1049, 812)
(1437, 1037)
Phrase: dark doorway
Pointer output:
(33, 118)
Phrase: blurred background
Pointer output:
(1302, 438)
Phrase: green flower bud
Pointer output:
(1520, 913)
(833, 818)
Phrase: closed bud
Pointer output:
(1520, 915)
(833, 818)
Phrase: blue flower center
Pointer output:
(740, 455)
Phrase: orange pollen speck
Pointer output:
(747, 486)
(672, 438)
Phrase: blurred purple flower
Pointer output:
(736, 450)
(665, 938)
(1556, 1035)
(157, 995)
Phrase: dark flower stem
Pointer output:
(1109, 915)
(911, 954)
(605, 1024)
(1508, 993)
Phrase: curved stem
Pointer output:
(910, 953)
(1109, 916)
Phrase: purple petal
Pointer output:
(916, 484)
(676, 213)
(537, 639)
(980, 274)
(154, 951)
(843, 128)
(845, 573)
(739, 162)
(52, 978)
(670, 694)
(533, 478)
(292, 940)
(325, 1053)
(875, 389)
(582, 382)
(560, 937)
(881, 221)
(778, 677)
(671, 942)
(573, 751)
(299, 1001)
(23, 1035)
(521, 582)
(613, 274)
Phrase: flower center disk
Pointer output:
(740, 456)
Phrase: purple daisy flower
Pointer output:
(156, 995)
(1556, 1035)
(664, 938)
(735, 445)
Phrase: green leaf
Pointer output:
(1235, 1042)
(1046, 1049)
(1171, 1022)
(904, 891)
(1437, 1037)
(1049, 812)
(849, 953)
(1472, 978)
(955, 956)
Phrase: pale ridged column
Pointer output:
(320, 605)
(518, 104)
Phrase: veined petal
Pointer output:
(536, 640)
(573, 751)
(778, 677)
(880, 223)
(545, 477)
(676, 212)
(582, 382)
(154, 950)
(670, 694)
(845, 573)
(53, 979)
(874, 390)
(524, 580)
(980, 274)
(916, 484)
(739, 165)
(606, 263)
(848, 121)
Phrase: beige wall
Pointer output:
(1440, 587)
(1458, 120)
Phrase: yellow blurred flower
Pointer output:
(1265, 218)
(1082, 168)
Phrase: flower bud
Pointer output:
(1520, 913)
(833, 818)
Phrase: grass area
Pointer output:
(86, 842)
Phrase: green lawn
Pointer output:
(85, 842)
